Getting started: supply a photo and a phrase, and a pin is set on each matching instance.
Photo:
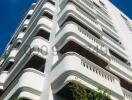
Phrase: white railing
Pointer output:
(90, 36)
(94, 43)
(116, 60)
(104, 12)
(97, 70)
(127, 94)
(115, 42)
(98, 44)
(74, 64)
(90, 17)
(87, 18)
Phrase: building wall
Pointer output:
(39, 62)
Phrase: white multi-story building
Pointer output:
(60, 41)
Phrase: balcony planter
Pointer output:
(72, 65)
(76, 91)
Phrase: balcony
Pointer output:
(112, 33)
(83, 4)
(26, 22)
(52, 2)
(20, 36)
(46, 7)
(106, 23)
(129, 25)
(72, 66)
(46, 22)
(103, 16)
(114, 46)
(76, 35)
(12, 54)
(121, 69)
(127, 94)
(100, 10)
(28, 84)
(3, 77)
(9, 60)
(18, 40)
(2, 59)
(39, 20)
(49, 6)
(33, 53)
(113, 40)
(83, 17)
(28, 17)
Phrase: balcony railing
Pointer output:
(20, 36)
(84, 2)
(41, 20)
(1, 60)
(119, 62)
(117, 47)
(101, 10)
(3, 77)
(10, 57)
(106, 24)
(127, 94)
(46, 22)
(95, 44)
(74, 64)
(38, 46)
(29, 79)
(121, 69)
(108, 19)
(79, 14)
(115, 42)
(86, 5)
(92, 18)
(96, 69)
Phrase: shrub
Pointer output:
(81, 92)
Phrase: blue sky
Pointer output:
(11, 12)
(124, 5)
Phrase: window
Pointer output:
(43, 34)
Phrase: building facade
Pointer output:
(85, 41)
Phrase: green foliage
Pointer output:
(81, 92)
(13, 98)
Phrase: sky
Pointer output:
(11, 12)
(124, 5)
